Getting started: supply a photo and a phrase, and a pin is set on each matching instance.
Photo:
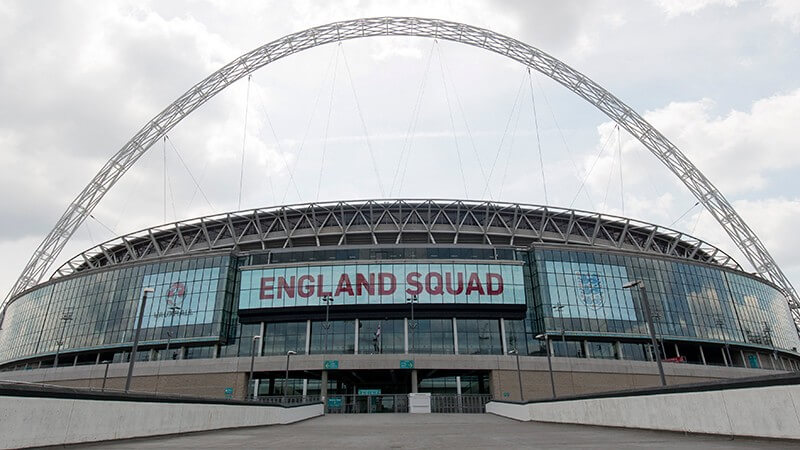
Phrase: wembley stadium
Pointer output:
(350, 301)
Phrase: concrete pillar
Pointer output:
(260, 350)
(744, 360)
(458, 385)
(677, 352)
(725, 357)
(702, 355)
(455, 335)
(414, 382)
(305, 387)
(405, 335)
(308, 336)
(503, 341)
(323, 385)
(355, 347)
(760, 364)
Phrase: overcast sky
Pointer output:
(79, 78)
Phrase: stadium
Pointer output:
(380, 298)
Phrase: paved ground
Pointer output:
(377, 431)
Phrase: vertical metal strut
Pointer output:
(697, 183)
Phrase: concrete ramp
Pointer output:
(38, 416)
(768, 407)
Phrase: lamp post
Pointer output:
(251, 382)
(66, 316)
(286, 377)
(413, 324)
(559, 307)
(546, 338)
(105, 374)
(515, 352)
(649, 319)
(327, 325)
(135, 346)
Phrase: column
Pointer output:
(702, 355)
(260, 350)
(323, 386)
(414, 381)
(405, 335)
(308, 336)
(305, 387)
(618, 347)
(455, 336)
(355, 348)
(503, 342)
(725, 357)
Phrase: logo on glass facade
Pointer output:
(589, 290)
(382, 284)
(181, 298)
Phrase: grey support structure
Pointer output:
(711, 198)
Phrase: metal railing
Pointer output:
(288, 400)
(454, 403)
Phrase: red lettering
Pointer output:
(494, 288)
(266, 285)
(362, 283)
(344, 285)
(321, 292)
(387, 283)
(283, 286)
(474, 284)
(438, 289)
(412, 279)
(448, 277)
(305, 286)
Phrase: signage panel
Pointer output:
(406, 363)
(376, 284)
(331, 364)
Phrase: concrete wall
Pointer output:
(210, 377)
(35, 421)
(764, 412)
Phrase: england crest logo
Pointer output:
(589, 290)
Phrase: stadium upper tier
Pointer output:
(387, 222)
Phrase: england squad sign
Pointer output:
(367, 284)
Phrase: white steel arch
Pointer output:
(711, 198)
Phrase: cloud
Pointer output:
(675, 8)
(786, 11)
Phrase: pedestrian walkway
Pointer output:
(425, 431)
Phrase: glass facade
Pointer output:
(582, 292)
(99, 309)
(575, 296)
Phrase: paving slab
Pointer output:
(425, 431)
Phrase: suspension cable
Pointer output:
(510, 151)
(452, 124)
(464, 118)
(244, 141)
(113, 233)
(327, 125)
(292, 181)
(505, 133)
(577, 172)
(621, 185)
(405, 150)
(538, 139)
(164, 167)
(363, 123)
(684, 214)
(308, 126)
(197, 186)
(597, 158)
(608, 183)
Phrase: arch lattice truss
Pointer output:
(711, 198)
